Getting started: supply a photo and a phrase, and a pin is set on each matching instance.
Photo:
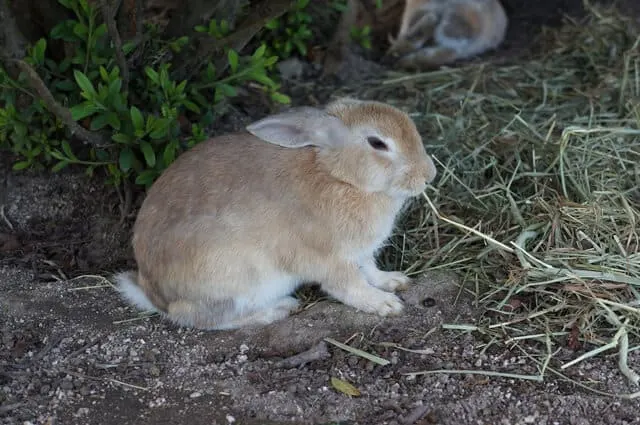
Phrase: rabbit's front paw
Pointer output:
(390, 281)
(379, 302)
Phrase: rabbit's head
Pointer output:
(370, 145)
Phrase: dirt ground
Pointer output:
(71, 352)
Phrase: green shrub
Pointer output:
(144, 123)
(290, 33)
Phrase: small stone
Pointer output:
(83, 411)
(154, 371)
(195, 394)
(291, 69)
(66, 385)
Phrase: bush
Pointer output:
(147, 119)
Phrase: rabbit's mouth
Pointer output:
(409, 189)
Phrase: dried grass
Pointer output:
(537, 202)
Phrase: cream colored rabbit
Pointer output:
(234, 225)
(437, 32)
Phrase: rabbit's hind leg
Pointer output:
(262, 317)
(224, 315)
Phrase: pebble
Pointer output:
(154, 371)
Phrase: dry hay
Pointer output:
(538, 199)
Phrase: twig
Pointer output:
(82, 349)
(358, 352)
(108, 15)
(57, 109)
(315, 353)
(9, 407)
(5, 218)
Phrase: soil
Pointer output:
(72, 352)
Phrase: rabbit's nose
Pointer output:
(431, 171)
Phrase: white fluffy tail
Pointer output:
(128, 287)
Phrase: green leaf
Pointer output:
(159, 129)
(99, 121)
(302, 48)
(224, 26)
(262, 79)
(227, 90)
(272, 24)
(128, 47)
(21, 165)
(84, 83)
(115, 86)
(126, 159)
(83, 110)
(146, 177)
(64, 65)
(81, 30)
(38, 50)
(57, 155)
(150, 122)
(114, 121)
(102, 155)
(153, 75)
(121, 138)
(64, 85)
(66, 148)
(104, 74)
(344, 387)
(100, 31)
(64, 31)
(149, 154)
(59, 166)
(137, 119)
(191, 106)
(260, 51)
(169, 154)
(232, 56)
(280, 98)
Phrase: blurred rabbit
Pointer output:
(437, 32)
(237, 223)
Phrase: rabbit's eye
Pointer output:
(377, 144)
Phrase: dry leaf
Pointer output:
(344, 387)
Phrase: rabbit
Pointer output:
(433, 33)
(235, 224)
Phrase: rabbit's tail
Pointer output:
(127, 285)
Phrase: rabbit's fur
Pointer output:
(237, 223)
(437, 32)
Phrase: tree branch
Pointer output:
(12, 52)
(108, 15)
(56, 108)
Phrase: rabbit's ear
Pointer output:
(299, 127)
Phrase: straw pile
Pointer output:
(538, 199)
